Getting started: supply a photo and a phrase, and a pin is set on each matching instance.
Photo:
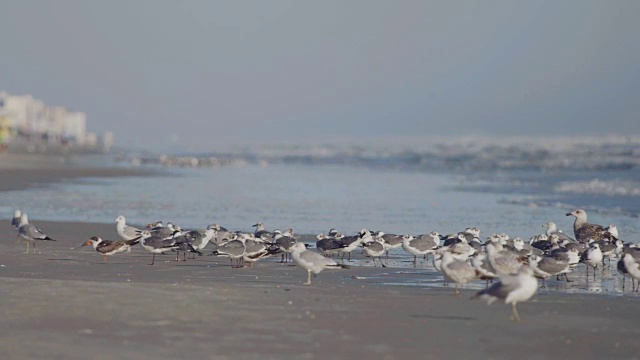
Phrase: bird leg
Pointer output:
(415, 259)
(104, 258)
(543, 286)
(514, 313)
(383, 265)
(27, 247)
(153, 259)
(308, 278)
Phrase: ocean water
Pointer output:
(393, 192)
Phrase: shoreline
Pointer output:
(25, 171)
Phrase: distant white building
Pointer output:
(31, 118)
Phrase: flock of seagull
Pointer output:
(460, 257)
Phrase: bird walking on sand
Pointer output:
(312, 261)
(109, 247)
(512, 289)
(31, 233)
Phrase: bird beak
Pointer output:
(569, 214)
(88, 242)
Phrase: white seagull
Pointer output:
(30, 232)
(512, 289)
(312, 261)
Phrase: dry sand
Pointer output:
(63, 302)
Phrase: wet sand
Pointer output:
(64, 302)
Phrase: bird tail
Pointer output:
(48, 238)
(341, 266)
(192, 249)
(133, 241)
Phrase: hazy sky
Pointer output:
(206, 74)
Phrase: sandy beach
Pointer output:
(64, 302)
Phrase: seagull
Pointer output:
(30, 232)
(15, 222)
(592, 257)
(375, 249)
(352, 242)
(167, 232)
(585, 231)
(480, 263)
(628, 266)
(552, 229)
(234, 249)
(196, 238)
(284, 242)
(329, 245)
(457, 270)
(255, 249)
(125, 231)
(547, 266)
(390, 241)
(503, 261)
(260, 230)
(312, 261)
(421, 245)
(108, 247)
(512, 289)
(157, 245)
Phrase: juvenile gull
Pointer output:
(311, 261)
(585, 231)
(512, 289)
(30, 232)
(109, 247)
